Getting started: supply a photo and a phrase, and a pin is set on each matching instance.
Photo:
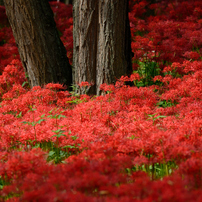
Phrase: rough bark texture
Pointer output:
(85, 41)
(42, 53)
(68, 1)
(112, 44)
(102, 52)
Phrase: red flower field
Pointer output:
(140, 143)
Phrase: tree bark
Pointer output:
(68, 1)
(42, 53)
(102, 51)
(85, 19)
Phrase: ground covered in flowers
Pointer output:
(140, 143)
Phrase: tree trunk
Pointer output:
(68, 1)
(85, 19)
(102, 51)
(42, 53)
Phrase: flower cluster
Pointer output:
(133, 143)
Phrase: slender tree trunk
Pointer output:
(102, 52)
(42, 53)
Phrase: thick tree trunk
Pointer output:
(42, 53)
(68, 1)
(85, 15)
(102, 52)
(113, 46)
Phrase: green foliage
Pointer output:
(56, 116)
(76, 101)
(147, 71)
(152, 116)
(156, 170)
(57, 155)
(34, 122)
(25, 84)
(75, 89)
(2, 183)
(165, 103)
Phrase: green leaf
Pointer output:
(59, 135)
(42, 115)
(158, 117)
(19, 115)
(51, 153)
(25, 122)
(151, 115)
(58, 131)
(39, 121)
(50, 111)
(160, 103)
(74, 137)
(70, 147)
(25, 82)
(61, 116)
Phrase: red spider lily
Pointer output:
(115, 144)
(84, 84)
